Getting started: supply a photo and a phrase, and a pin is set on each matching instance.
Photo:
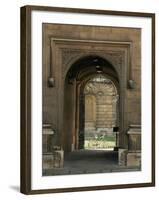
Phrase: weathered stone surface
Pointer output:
(100, 111)
(48, 161)
(134, 159)
(54, 159)
(60, 103)
(134, 138)
(122, 156)
(48, 138)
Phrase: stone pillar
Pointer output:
(47, 146)
(134, 146)
(47, 134)
(131, 157)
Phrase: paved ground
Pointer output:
(89, 161)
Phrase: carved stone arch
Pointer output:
(93, 87)
(106, 95)
(69, 57)
(74, 67)
(86, 78)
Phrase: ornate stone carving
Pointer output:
(115, 58)
(97, 87)
(69, 56)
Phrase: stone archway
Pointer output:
(70, 59)
(74, 118)
(101, 113)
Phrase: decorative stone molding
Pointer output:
(70, 56)
(103, 88)
(71, 50)
(65, 52)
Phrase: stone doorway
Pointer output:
(101, 113)
(91, 106)
(73, 58)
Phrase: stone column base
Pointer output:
(134, 159)
(129, 158)
(47, 161)
(53, 160)
(122, 157)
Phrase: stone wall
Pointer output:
(106, 113)
(100, 105)
(120, 46)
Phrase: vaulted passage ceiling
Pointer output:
(90, 66)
